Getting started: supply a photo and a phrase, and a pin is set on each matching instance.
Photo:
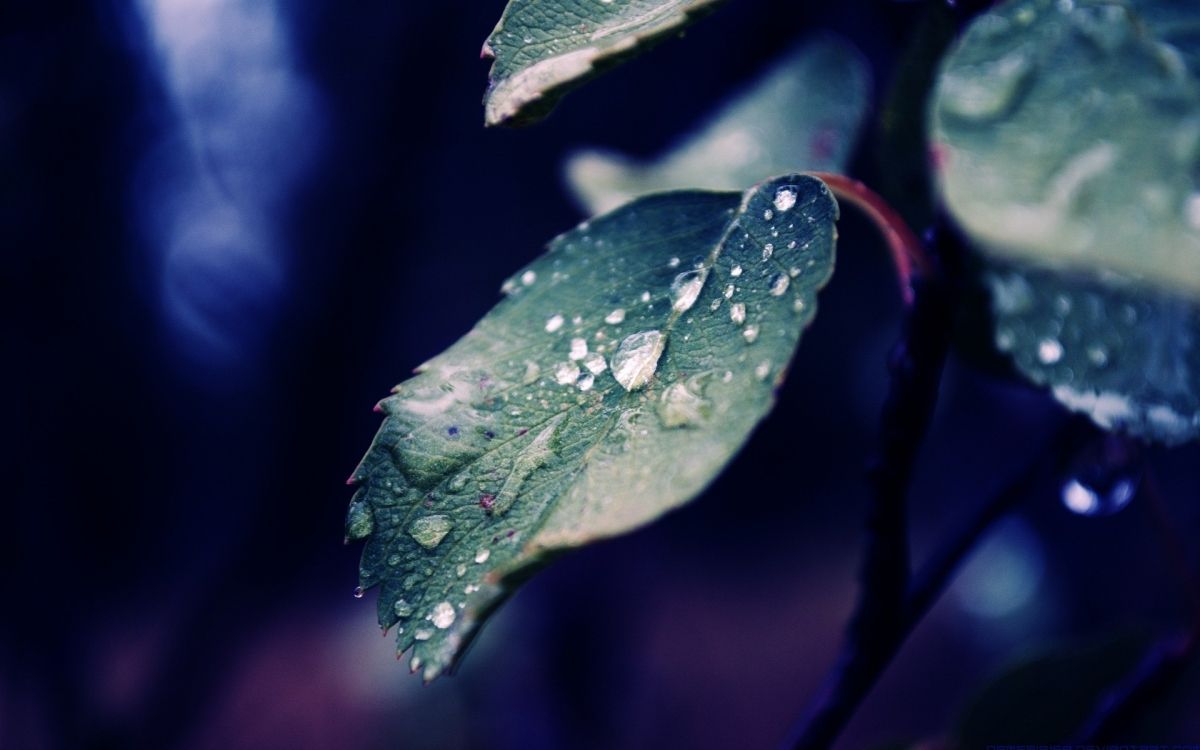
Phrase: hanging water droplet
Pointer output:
(402, 608)
(750, 333)
(779, 284)
(482, 555)
(579, 349)
(615, 317)
(566, 373)
(737, 313)
(443, 615)
(1049, 351)
(360, 521)
(686, 288)
(429, 531)
(554, 323)
(636, 359)
(785, 198)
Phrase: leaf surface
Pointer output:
(625, 367)
(1068, 135)
(804, 113)
(544, 48)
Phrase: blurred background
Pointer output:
(228, 227)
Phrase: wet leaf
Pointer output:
(544, 48)
(1127, 357)
(804, 113)
(1068, 135)
(625, 367)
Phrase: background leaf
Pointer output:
(1068, 135)
(544, 48)
(625, 368)
(804, 113)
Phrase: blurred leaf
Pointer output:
(626, 367)
(1126, 357)
(1045, 698)
(544, 48)
(803, 114)
(1068, 135)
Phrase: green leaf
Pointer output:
(544, 48)
(624, 369)
(1128, 358)
(802, 114)
(1068, 135)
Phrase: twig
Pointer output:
(867, 653)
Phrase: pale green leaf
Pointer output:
(624, 369)
(544, 48)
(1067, 134)
(804, 113)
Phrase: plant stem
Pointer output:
(908, 255)
(868, 651)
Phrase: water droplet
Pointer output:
(554, 323)
(792, 244)
(685, 289)
(636, 359)
(799, 305)
(585, 382)
(737, 313)
(358, 592)
(360, 521)
(614, 317)
(645, 296)
(762, 370)
(482, 556)
(735, 271)
(1049, 351)
(423, 634)
(785, 198)
(443, 615)
(767, 251)
(566, 373)
(402, 608)
(579, 349)
(1104, 478)
(673, 263)
(429, 531)
(750, 333)
(985, 90)
(595, 363)
(681, 405)
(729, 290)
(779, 284)
(768, 214)
(528, 278)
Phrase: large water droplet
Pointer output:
(443, 615)
(985, 90)
(636, 359)
(359, 521)
(686, 288)
(429, 531)
(785, 198)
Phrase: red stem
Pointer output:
(908, 254)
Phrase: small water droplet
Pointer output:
(579, 349)
(735, 271)
(614, 317)
(762, 370)
(729, 290)
(429, 531)
(423, 634)
(566, 373)
(779, 285)
(799, 305)
(750, 333)
(528, 278)
(737, 313)
(554, 323)
(785, 198)
(482, 555)
(460, 570)
(358, 592)
(1049, 351)
(585, 382)
(685, 289)
(767, 251)
(645, 297)
(768, 214)
(402, 608)
(636, 359)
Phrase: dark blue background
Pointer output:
(229, 227)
